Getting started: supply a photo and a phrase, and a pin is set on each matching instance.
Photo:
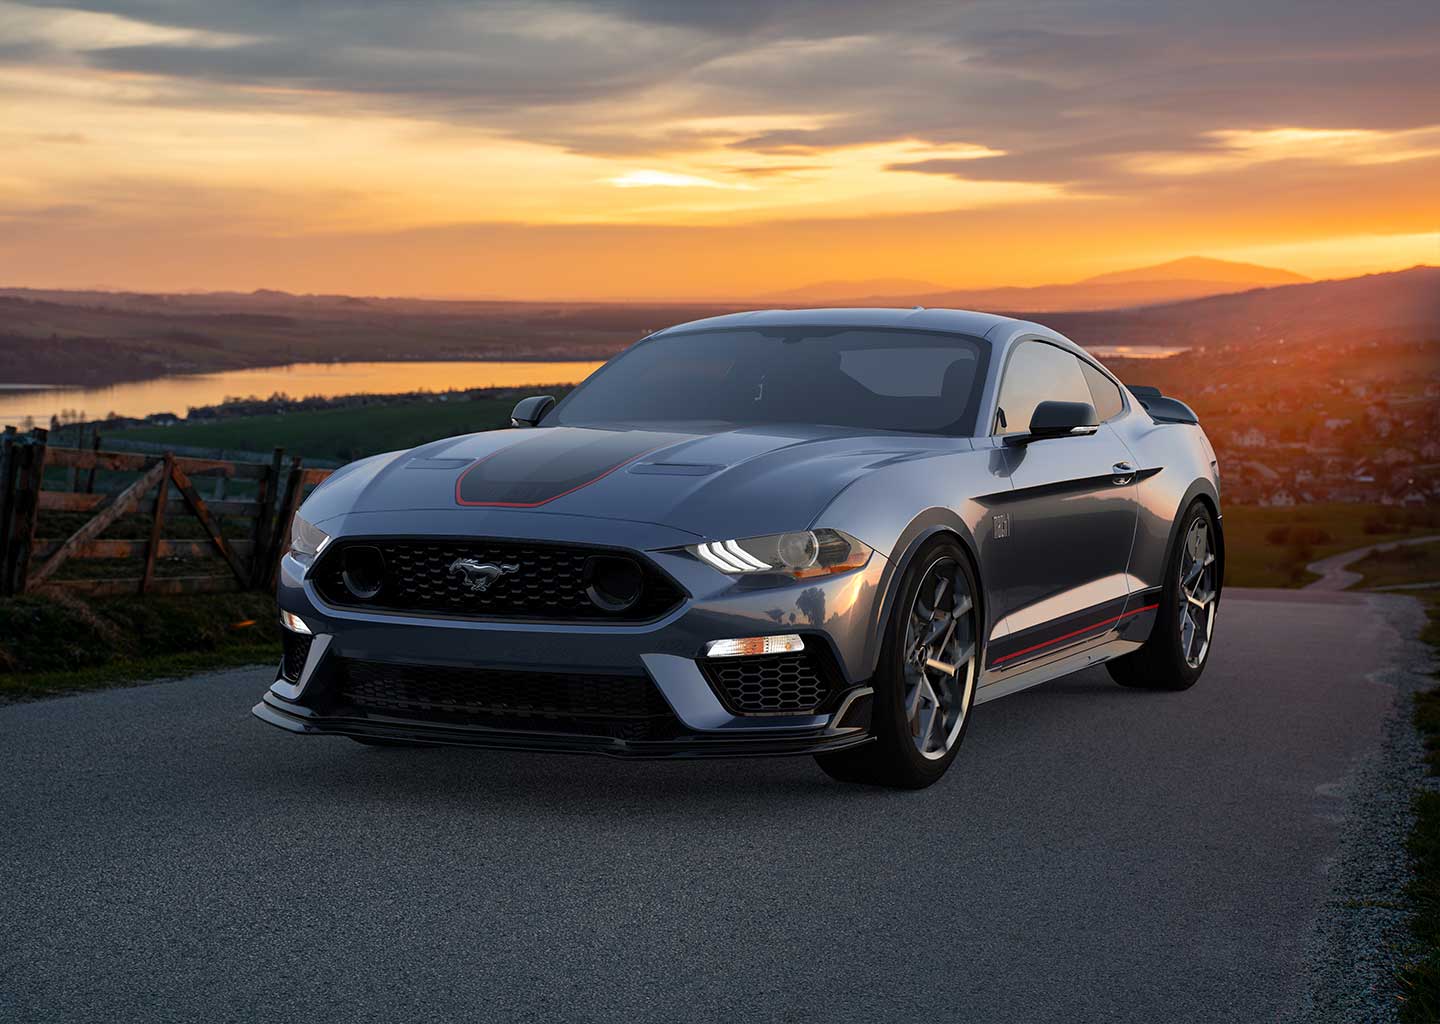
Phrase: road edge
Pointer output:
(1362, 934)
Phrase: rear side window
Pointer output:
(1106, 395)
(1037, 373)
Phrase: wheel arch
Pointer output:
(1201, 491)
(924, 528)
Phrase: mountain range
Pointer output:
(1189, 278)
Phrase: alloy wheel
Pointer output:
(1199, 586)
(939, 666)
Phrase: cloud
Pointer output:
(664, 179)
(924, 106)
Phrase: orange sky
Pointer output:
(658, 148)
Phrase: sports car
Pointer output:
(827, 532)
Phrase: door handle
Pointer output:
(1123, 473)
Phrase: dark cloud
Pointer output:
(1069, 91)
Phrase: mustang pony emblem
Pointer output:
(479, 575)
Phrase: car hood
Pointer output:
(721, 483)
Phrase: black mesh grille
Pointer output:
(624, 706)
(539, 581)
(768, 684)
(296, 648)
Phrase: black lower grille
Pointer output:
(483, 578)
(295, 649)
(771, 684)
(619, 706)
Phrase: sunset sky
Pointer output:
(662, 148)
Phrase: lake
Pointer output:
(298, 380)
(327, 380)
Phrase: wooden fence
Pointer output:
(58, 504)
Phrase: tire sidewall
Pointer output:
(892, 728)
(1172, 599)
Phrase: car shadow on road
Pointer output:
(511, 782)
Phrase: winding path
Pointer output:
(1333, 571)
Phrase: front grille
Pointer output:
(770, 684)
(295, 649)
(547, 582)
(619, 706)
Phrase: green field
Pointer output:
(342, 434)
(1270, 547)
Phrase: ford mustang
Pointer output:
(822, 532)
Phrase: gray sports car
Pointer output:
(828, 532)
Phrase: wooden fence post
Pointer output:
(9, 465)
(72, 475)
(94, 447)
(27, 506)
(157, 522)
(267, 492)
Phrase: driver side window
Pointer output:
(1037, 372)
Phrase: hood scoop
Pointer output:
(438, 463)
(674, 469)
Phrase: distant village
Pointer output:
(1363, 444)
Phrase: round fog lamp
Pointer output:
(364, 571)
(612, 583)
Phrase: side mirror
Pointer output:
(530, 411)
(1058, 419)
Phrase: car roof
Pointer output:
(958, 321)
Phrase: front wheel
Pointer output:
(925, 682)
(1179, 645)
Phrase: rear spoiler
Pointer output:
(1162, 409)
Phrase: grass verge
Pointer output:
(1414, 563)
(1419, 977)
(54, 642)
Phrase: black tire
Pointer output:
(376, 741)
(1162, 663)
(893, 759)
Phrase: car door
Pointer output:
(1060, 544)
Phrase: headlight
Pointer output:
(802, 554)
(306, 540)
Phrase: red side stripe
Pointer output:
(1073, 633)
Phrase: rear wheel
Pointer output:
(925, 682)
(1179, 645)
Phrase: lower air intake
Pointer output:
(625, 707)
(797, 683)
(295, 650)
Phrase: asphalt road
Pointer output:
(1095, 853)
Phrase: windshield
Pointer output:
(885, 379)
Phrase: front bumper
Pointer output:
(836, 615)
(298, 718)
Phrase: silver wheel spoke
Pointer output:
(939, 669)
(1200, 588)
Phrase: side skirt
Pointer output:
(1006, 683)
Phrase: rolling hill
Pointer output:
(1188, 278)
(92, 338)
